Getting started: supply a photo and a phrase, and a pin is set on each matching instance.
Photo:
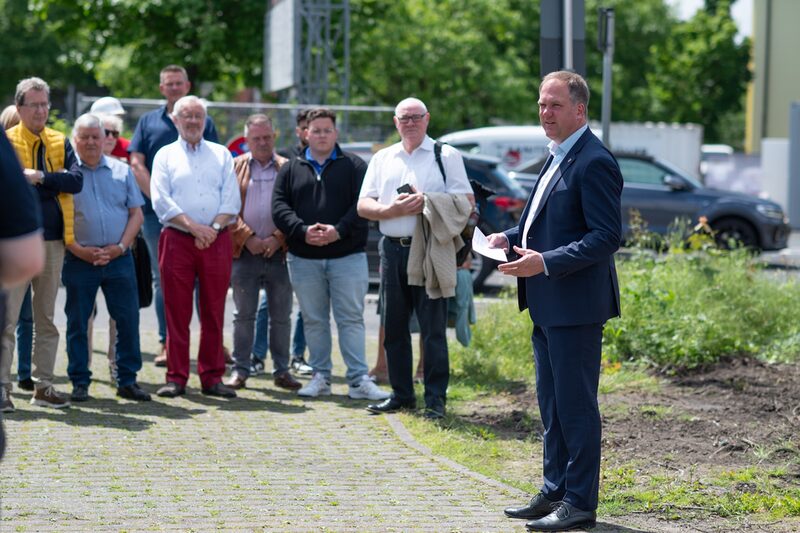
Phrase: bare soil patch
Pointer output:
(729, 416)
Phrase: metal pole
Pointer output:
(608, 61)
(568, 34)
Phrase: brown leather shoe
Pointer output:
(161, 359)
(287, 381)
(236, 381)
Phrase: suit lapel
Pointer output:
(525, 211)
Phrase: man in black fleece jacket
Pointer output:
(314, 205)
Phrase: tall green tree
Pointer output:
(700, 72)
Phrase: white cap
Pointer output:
(108, 105)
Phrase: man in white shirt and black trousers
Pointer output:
(392, 193)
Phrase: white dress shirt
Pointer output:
(393, 166)
(196, 181)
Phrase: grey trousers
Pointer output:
(250, 274)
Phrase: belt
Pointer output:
(402, 241)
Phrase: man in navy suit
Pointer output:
(563, 249)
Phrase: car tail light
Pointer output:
(508, 204)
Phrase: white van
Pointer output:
(512, 144)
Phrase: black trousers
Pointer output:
(399, 299)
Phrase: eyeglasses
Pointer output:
(192, 116)
(405, 119)
(325, 131)
(113, 133)
(43, 105)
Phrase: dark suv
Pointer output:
(662, 193)
(498, 213)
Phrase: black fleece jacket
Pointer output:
(300, 200)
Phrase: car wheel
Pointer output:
(729, 230)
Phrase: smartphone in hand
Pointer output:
(405, 188)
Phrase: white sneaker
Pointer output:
(367, 390)
(318, 386)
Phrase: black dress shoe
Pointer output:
(133, 392)
(566, 517)
(434, 411)
(538, 507)
(390, 405)
(171, 390)
(80, 393)
(221, 390)
(26, 384)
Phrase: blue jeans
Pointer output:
(339, 284)
(399, 300)
(25, 338)
(117, 280)
(299, 338)
(151, 231)
(261, 342)
(250, 274)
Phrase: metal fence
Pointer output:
(355, 123)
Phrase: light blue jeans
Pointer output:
(339, 284)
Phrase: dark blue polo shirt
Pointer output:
(156, 130)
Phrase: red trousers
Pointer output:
(181, 263)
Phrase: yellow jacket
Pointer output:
(27, 143)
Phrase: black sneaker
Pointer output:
(300, 366)
(133, 392)
(80, 393)
(26, 384)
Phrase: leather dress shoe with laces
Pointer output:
(133, 392)
(565, 517)
(171, 390)
(435, 410)
(390, 405)
(221, 390)
(538, 507)
(286, 381)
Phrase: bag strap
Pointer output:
(437, 153)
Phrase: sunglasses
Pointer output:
(113, 133)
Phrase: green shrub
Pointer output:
(690, 306)
(682, 310)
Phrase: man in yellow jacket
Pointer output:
(48, 163)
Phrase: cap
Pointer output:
(109, 105)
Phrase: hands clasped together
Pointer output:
(321, 234)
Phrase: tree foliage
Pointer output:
(475, 62)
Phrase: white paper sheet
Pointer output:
(481, 245)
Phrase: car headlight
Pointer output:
(770, 211)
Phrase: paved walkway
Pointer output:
(265, 461)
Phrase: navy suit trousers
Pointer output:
(567, 374)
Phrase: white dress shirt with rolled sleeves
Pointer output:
(198, 181)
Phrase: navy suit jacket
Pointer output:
(577, 229)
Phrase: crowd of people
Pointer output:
(263, 221)
(267, 225)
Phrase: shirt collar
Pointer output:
(189, 148)
(560, 150)
(102, 163)
(259, 166)
(311, 159)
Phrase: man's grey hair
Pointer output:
(410, 101)
(189, 99)
(578, 88)
(114, 121)
(86, 121)
(258, 118)
(30, 84)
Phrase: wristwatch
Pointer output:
(216, 227)
(122, 247)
